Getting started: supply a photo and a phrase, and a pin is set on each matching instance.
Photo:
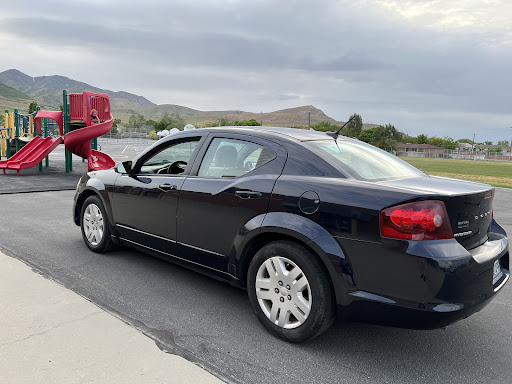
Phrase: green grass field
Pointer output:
(494, 173)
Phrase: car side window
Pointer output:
(172, 159)
(233, 158)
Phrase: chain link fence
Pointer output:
(459, 155)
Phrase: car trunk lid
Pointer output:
(468, 204)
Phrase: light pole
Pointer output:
(473, 146)
(510, 148)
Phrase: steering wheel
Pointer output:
(174, 168)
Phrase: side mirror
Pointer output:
(125, 167)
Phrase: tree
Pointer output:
(32, 107)
(152, 135)
(354, 128)
(422, 139)
(367, 135)
(449, 143)
(151, 122)
(467, 141)
(168, 121)
(224, 122)
(437, 141)
(115, 122)
(504, 143)
(325, 126)
(136, 121)
(246, 123)
(386, 137)
(173, 121)
(409, 139)
(488, 142)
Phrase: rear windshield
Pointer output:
(363, 161)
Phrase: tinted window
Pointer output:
(233, 158)
(161, 161)
(363, 160)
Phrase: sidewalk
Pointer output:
(49, 334)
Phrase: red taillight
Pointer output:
(422, 220)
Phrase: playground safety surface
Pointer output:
(55, 178)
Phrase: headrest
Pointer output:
(226, 156)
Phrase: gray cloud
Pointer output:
(340, 56)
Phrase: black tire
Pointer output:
(105, 243)
(318, 295)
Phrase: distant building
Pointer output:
(419, 150)
(466, 147)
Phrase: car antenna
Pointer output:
(337, 133)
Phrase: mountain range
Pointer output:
(18, 89)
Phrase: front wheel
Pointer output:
(290, 291)
(95, 226)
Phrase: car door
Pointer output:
(230, 185)
(145, 201)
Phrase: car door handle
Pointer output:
(248, 194)
(167, 187)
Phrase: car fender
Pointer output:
(308, 232)
(95, 186)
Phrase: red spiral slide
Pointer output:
(79, 143)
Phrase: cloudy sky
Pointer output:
(427, 66)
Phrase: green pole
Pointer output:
(47, 159)
(38, 108)
(17, 125)
(7, 142)
(67, 131)
(66, 120)
(34, 114)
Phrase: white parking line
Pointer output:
(124, 149)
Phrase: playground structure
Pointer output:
(75, 130)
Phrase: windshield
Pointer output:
(363, 160)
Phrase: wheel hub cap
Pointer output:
(93, 224)
(283, 292)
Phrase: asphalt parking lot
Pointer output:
(212, 323)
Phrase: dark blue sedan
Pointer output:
(311, 224)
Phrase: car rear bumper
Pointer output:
(441, 284)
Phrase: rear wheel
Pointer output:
(290, 291)
(95, 225)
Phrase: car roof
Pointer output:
(294, 133)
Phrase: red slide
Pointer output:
(31, 154)
(79, 143)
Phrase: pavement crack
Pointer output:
(52, 328)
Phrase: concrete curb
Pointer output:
(49, 334)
